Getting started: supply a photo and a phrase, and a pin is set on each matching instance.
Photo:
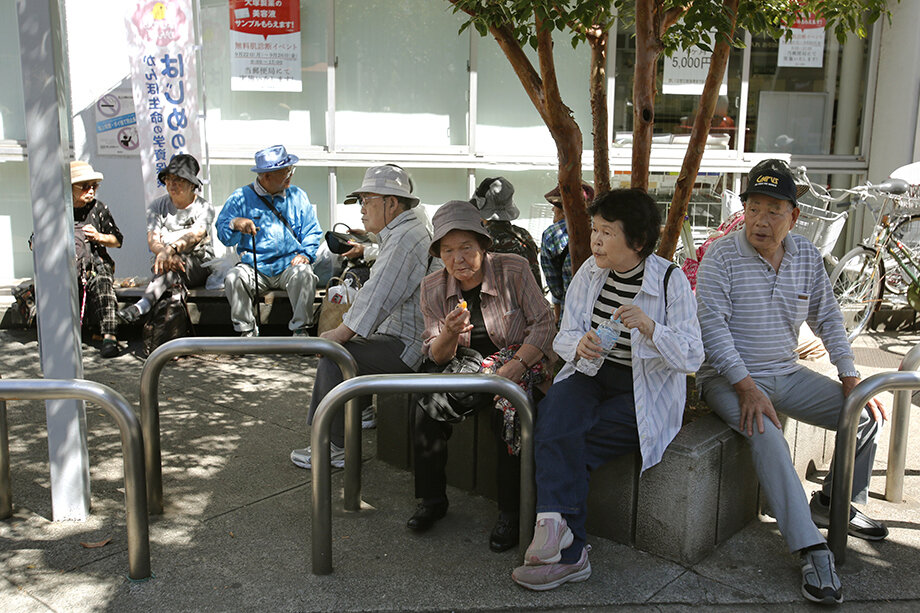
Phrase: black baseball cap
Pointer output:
(772, 178)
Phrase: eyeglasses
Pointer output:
(282, 172)
(362, 200)
(85, 187)
(174, 179)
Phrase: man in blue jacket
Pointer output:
(274, 221)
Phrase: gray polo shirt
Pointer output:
(750, 314)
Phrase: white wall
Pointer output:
(894, 127)
(98, 54)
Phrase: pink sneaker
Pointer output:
(549, 576)
(550, 537)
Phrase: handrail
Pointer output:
(900, 423)
(845, 450)
(397, 383)
(6, 488)
(200, 345)
(131, 445)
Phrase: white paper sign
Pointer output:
(265, 45)
(116, 125)
(685, 72)
(806, 48)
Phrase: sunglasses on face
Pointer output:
(85, 187)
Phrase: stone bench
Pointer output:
(210, 306)
(702, 492)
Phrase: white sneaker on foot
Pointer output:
(304, 457)
(550, 537)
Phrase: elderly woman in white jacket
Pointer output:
(609, 401)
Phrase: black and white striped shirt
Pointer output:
(619, 289)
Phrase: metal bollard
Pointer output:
(845, 450)
(202, 345)
(900, 424)
(131, 444)
(391, 384)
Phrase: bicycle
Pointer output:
(859, 279)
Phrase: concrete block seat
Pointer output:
(208, 306)
(702, 492)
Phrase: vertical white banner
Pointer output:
(164, 80)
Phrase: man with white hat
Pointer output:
(94, 231)
(275, 230)
(383, 328)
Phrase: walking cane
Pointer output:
(255, 286)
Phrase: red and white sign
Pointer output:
(806, 47)
(164, 82)
(265, 45)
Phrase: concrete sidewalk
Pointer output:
(235, 535)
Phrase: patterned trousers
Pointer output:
(100, 299)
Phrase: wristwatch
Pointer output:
(850, 373)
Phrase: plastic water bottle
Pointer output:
(608, 332)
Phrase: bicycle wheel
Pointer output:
(857, 282)
(908, 232)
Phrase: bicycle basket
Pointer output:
(820, 227)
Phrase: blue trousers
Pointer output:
(583, 423)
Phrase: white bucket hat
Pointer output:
(386, 180)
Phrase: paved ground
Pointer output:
(235, 534)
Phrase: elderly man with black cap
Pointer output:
(754, 290)
(273, 227)
(383, 327)
(178, 226)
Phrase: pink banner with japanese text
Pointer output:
(164, 83)
(265, 45)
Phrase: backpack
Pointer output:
(168, 319)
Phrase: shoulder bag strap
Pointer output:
(272, 208)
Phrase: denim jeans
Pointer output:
(582, 423)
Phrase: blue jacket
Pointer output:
(275, 245)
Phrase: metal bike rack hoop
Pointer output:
(900, 423)
(131, 445)
(394, 384)
(202, 345)
(845, 450)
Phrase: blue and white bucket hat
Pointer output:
(273, 158)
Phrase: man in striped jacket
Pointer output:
(754, 290)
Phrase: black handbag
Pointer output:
(454, 406)
(339, 242)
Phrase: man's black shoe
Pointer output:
(505, 533)
(861, 525)
(109, 348)
(426, 515)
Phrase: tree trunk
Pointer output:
(698, 136)
(598, 39)
(648, 48)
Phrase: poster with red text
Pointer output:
(806, 47)
(265, 45)
(164, 82)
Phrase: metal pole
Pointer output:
(418, 383)
(900, 424)
(202, 345)
(845, 451)
(48, 127)
(131, 448)
(6, 488)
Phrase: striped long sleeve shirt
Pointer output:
(750, 314)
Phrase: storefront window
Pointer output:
(507, 121)
(12, 108)
(401, 77)
(678, 86)
(260, 118)
(791, 107)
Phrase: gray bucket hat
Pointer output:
(386, 180)
(456, 215)
(494, 200)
